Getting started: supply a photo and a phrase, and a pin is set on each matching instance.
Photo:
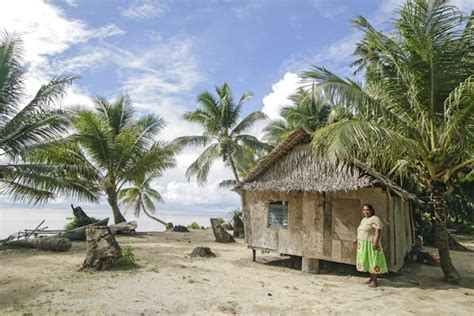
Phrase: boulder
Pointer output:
(180, 229)
(220, 233)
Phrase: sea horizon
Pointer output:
(18, 218)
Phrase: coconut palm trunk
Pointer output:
(113, 202)
(152, 217)
(441, 230)
(234, 169)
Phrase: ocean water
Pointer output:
(13, 219)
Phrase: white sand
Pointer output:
(170, 282)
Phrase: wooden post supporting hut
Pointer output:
(299, 205)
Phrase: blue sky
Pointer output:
(163, 53)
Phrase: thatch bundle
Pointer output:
(301, 170)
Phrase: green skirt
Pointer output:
(369, 260)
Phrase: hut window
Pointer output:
(278, 214)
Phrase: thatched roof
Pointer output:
(292, 166)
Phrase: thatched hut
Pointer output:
(296, 204)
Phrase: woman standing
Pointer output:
(370, 257)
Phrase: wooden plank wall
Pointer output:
(322, 225)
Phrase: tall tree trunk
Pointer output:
(442, 237)
(112, 199)
(234, 169)
(152, 217)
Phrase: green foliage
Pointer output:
(127, 261)
(426, 224)
(236, 213)
(221, 220)
(72, 224)
(26, 128)
(112, 147)
(141, 196)
(309, 111)
(194, 225)
(223, 133)
(413, 110)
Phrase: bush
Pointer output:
(128, 260)
(221, 220)
(73, 223)
(194, 225)
(236, 213)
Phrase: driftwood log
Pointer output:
(203, 252)
(53, 243)
(81, 217)
(103, 251)
(220, 233)
(123, 227)
(238, 228)
(80, 233)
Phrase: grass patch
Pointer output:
(127, 261)
(155, 269)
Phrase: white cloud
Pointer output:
(106, 31)
(328, 9)
(144, 9)
(336, 56)
(279, 97)
(247, 9)
(72, 3)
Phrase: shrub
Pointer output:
(128, 260)
(72, 224)
(236, 213)
(194, 225)
(221, 220)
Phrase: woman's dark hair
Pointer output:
(370, 207)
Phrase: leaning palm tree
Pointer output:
(26, 128)
(141, 195)
(112, 148)
(223, 132)
(414, 110)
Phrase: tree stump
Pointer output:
(220, 233)
(180, 229)
(103, 251)
(238, 228)
(203, 252)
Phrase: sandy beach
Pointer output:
(169, 281)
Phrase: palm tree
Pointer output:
(141, 195)
(308, 111)
(222, 132)
(414, 110)
(112, 148)
(26, 128)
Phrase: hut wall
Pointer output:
(258, 235)
(322, 225)
(402, 232)
(342, 217)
